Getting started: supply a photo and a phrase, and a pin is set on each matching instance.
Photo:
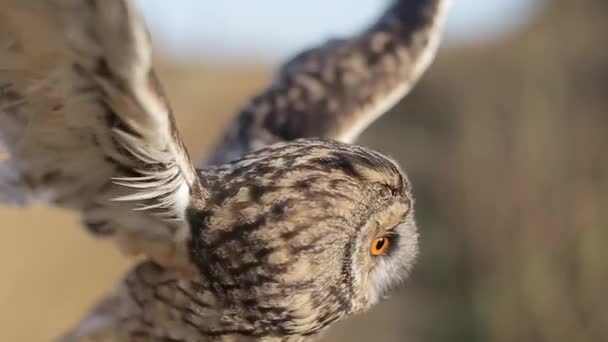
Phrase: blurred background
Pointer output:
(504, 140)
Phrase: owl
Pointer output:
(286, 229)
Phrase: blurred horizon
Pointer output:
(234, 31)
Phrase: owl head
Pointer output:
(296, 236)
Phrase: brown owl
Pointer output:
(288, 227)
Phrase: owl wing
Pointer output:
(85, 122)
(339, 88)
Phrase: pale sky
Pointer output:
(270, 30)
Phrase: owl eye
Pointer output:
(380, 246)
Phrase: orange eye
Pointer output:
(380, 246)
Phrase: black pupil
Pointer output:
(380, 243)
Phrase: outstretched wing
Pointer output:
(85, 123)
(337, 89)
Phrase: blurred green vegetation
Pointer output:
(505, 144)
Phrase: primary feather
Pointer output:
(337, 89)
(85, 122)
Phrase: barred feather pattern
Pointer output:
(85, 121)
(339, 88)
(281, 251)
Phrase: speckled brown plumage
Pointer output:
(337, 89)
(281, 249)
(278, 237)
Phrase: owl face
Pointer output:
(386, 251)
(296, 236)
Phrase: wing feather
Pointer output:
(337, 89)
(85, 122)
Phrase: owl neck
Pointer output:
(154, 303)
